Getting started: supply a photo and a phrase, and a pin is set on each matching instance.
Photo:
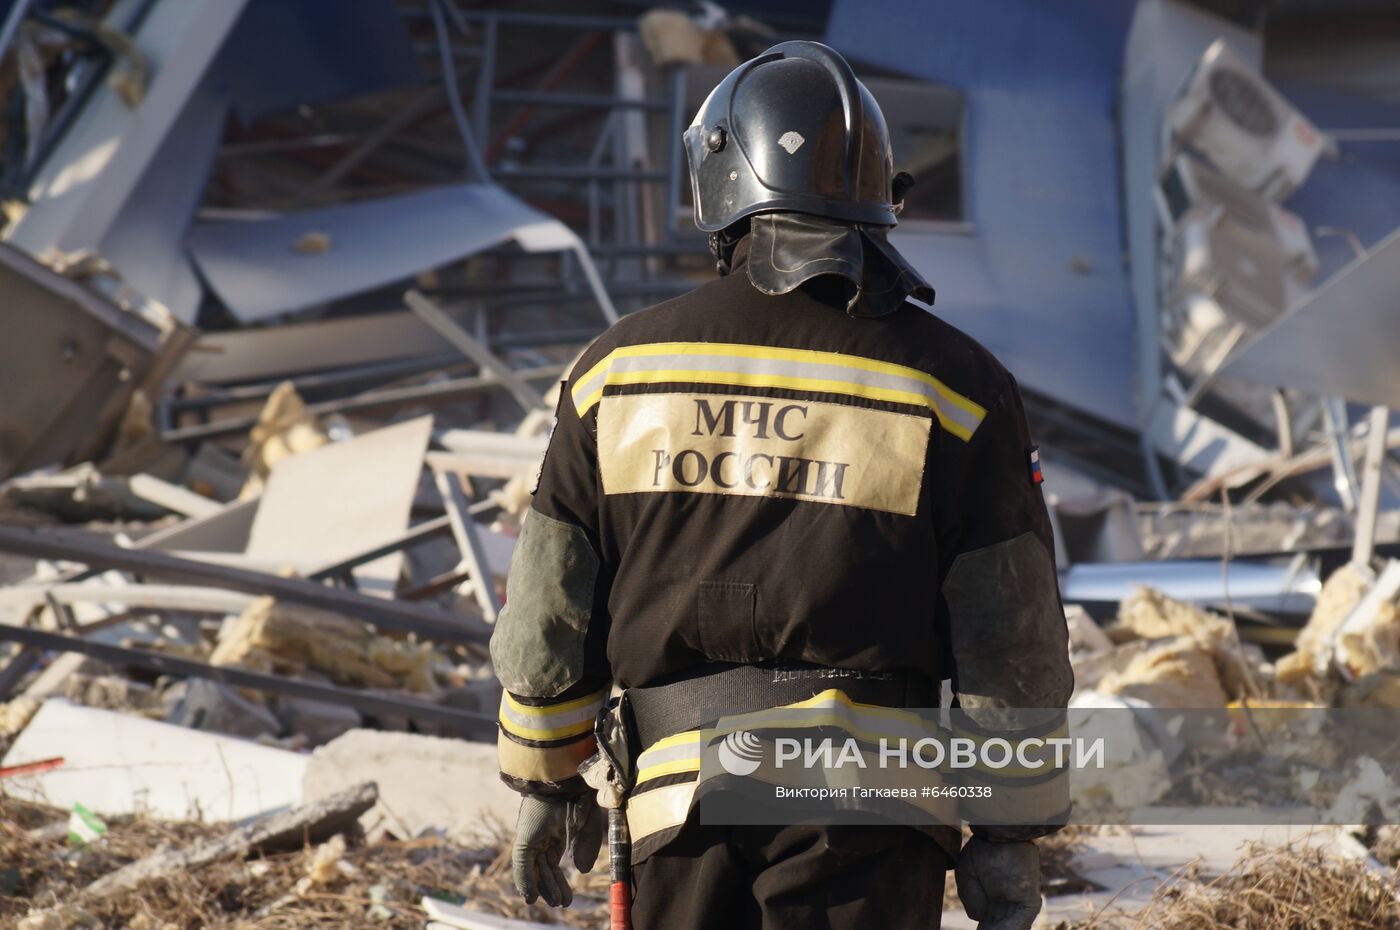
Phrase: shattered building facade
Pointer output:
(288, 289)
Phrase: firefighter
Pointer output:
(788, 485)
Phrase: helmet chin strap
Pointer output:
(723, 243)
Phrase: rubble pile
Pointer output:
(340, 880)
(1196, 716)
(1270, 888)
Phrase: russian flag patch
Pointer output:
(1033, 463)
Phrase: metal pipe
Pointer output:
(595, 284)
(674, 153)
(575, 173)
(162, 663)
(1259, 585)
(475, 164)
(446, 327)
(1334, 415)
(438, 526)
(11, 24)
(485, 80)
(1368, 507)
(95, 551)
(538, 98)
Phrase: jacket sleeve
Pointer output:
(548, 648)
(1004, 624)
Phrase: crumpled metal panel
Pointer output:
(1343, 341)
(257, 270)
(68, 367)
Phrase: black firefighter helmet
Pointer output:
(792, 130)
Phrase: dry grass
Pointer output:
(378, 885)
(1270, 888)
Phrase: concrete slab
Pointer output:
(425, 782)
(342, 499)
(121, 764)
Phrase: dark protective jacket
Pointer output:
(741, 477)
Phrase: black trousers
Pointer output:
(841, 877)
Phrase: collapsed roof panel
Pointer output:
(294, 260)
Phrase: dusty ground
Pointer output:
(376, 885)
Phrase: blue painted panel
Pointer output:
(282, 54)
(1041, 281)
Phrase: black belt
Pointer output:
(717, 690)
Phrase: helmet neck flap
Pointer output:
(782, 251)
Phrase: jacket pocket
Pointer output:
(726, 613)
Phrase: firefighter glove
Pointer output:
(999, 883)
(545, 829)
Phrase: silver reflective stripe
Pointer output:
(584, 389)
(790, 369)
(545, 719)
(690, 749)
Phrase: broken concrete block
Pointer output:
(118, 763)
(318, 721)
(312, 823)
(201, 704)
(425, 782)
